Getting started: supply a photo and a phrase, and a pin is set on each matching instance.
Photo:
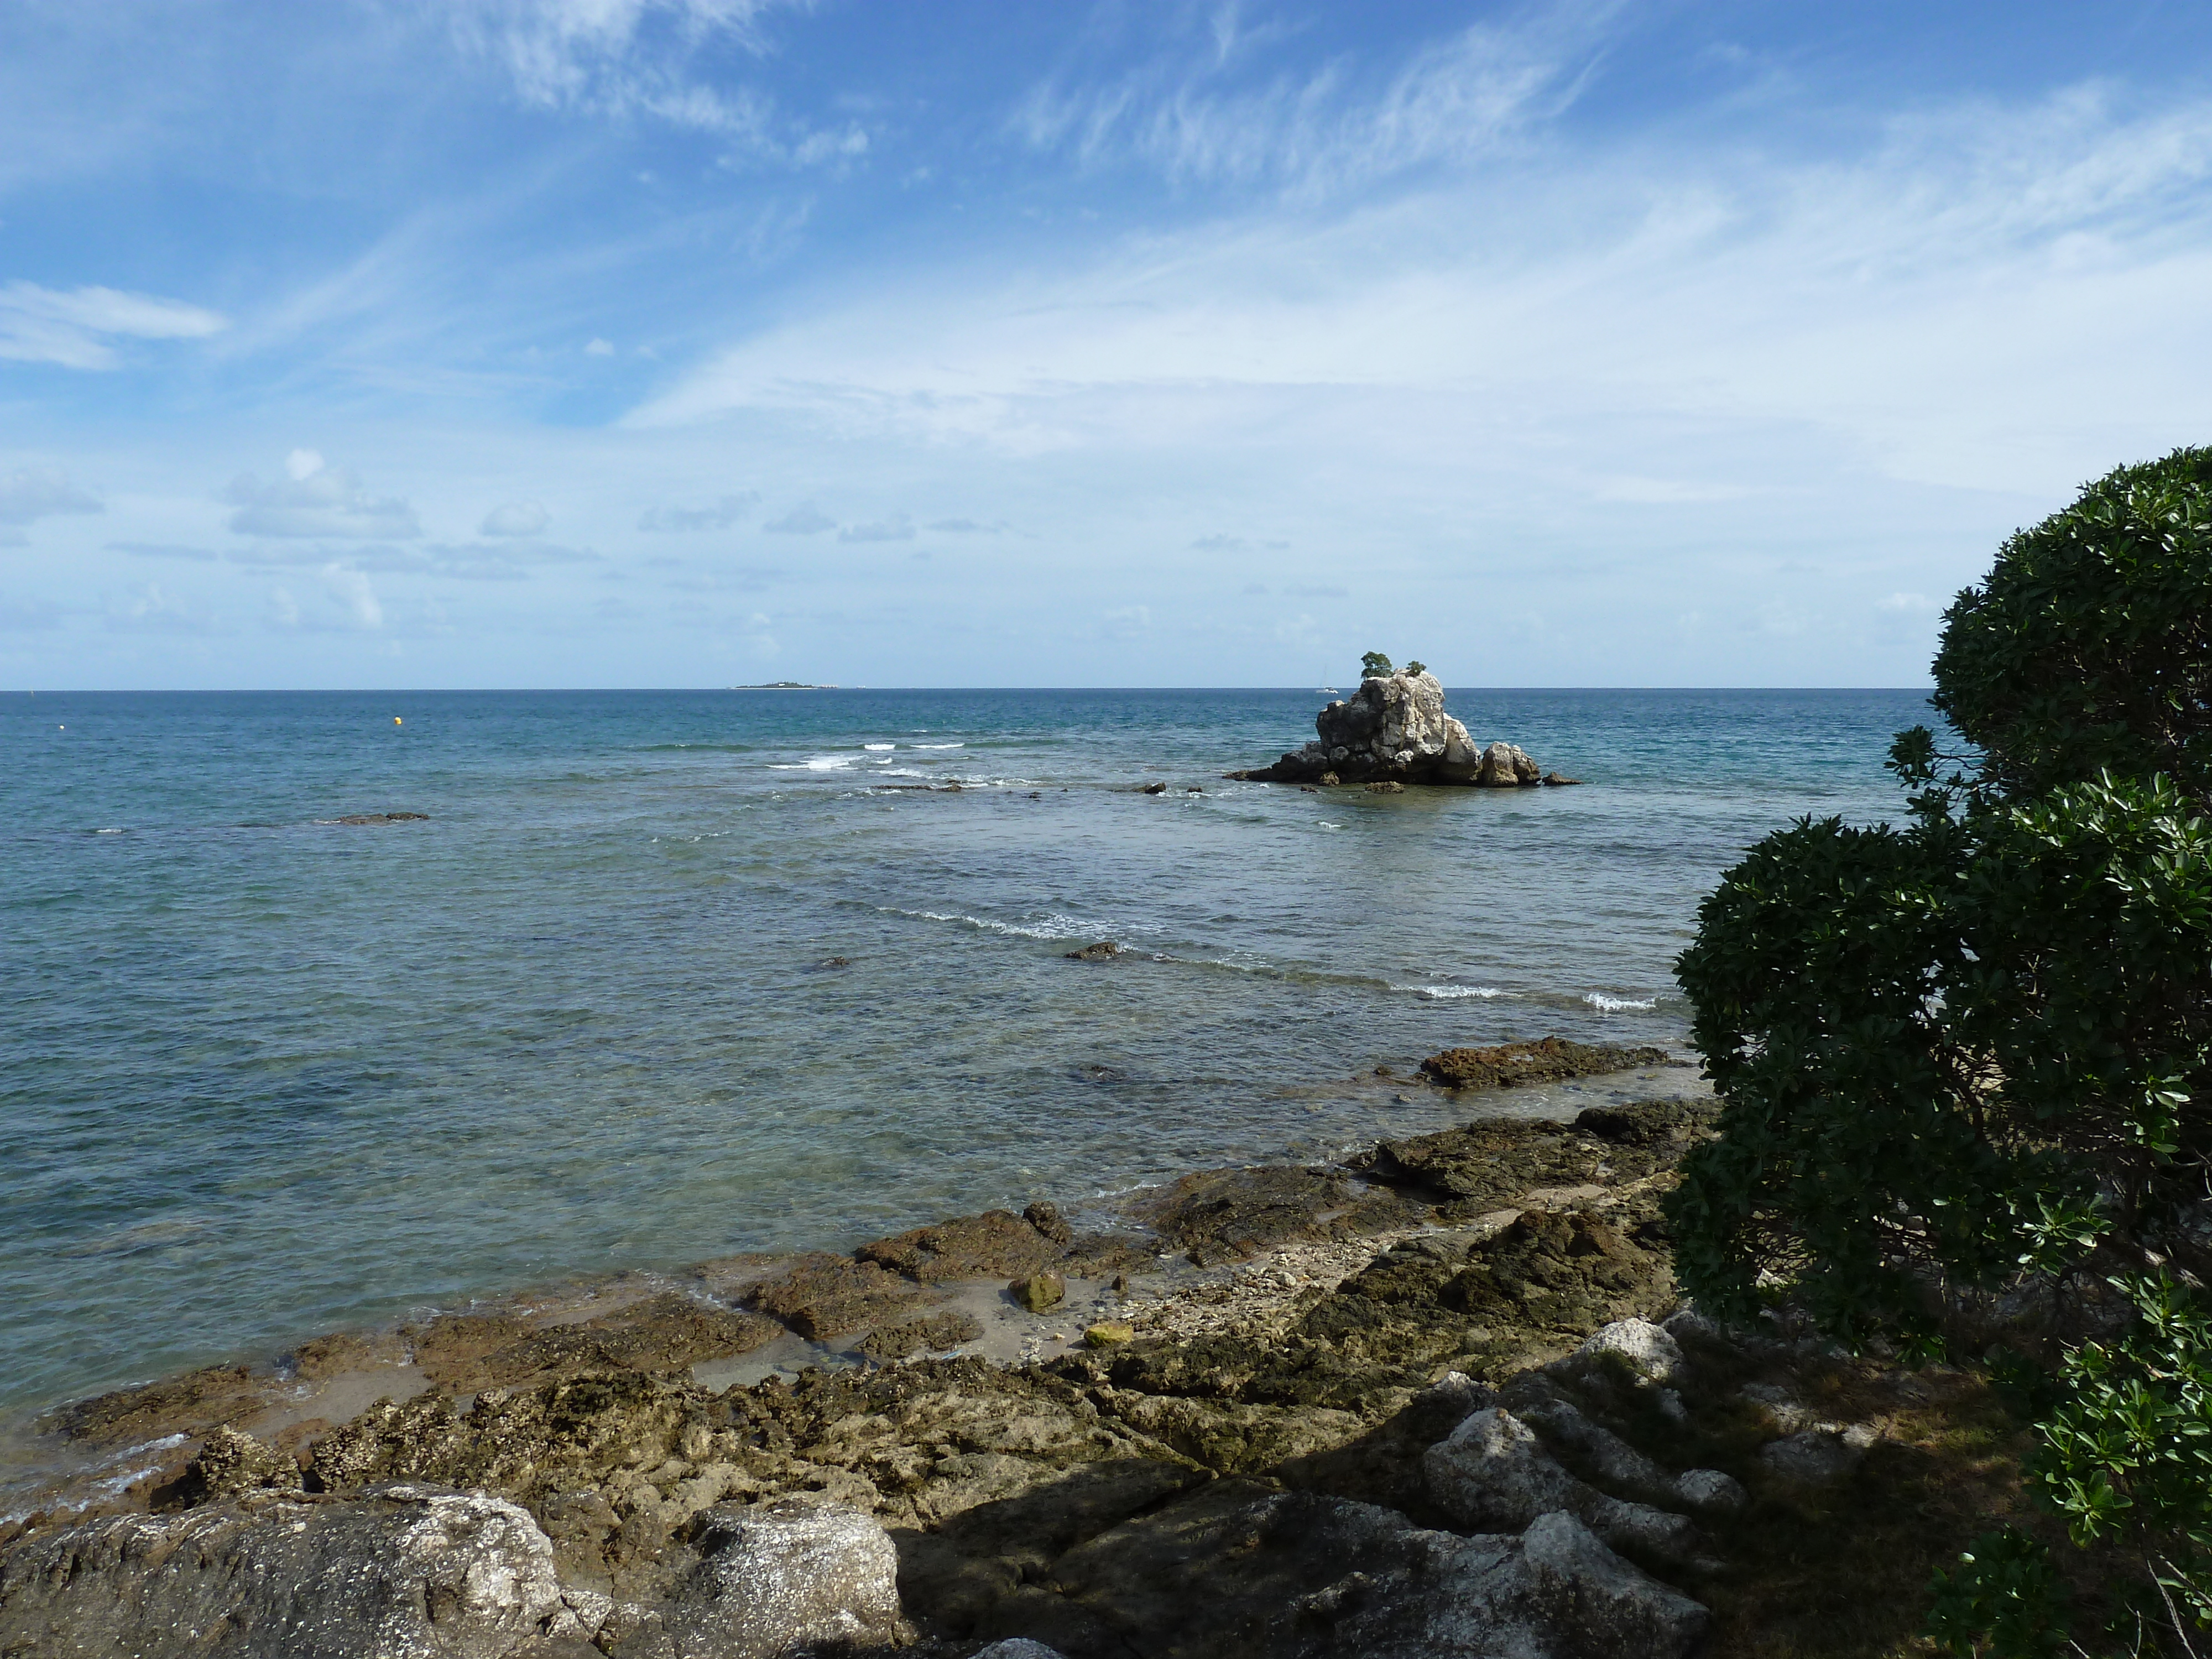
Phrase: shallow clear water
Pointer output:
(263, 1076)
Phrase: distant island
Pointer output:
(784, 685)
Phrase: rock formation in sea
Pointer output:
(1394, 730)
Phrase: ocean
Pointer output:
(667, 975)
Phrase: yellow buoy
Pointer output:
(395, 719)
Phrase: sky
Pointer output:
(677, 343)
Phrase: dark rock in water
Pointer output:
(384, 817)
(1153, 789)
(1105, 950)
(823, 1296)
(1327, 780)
(1552, 1060)
(410, 1571)
(1387, 786)
(834, 961)
(1038, 1291)
(1558, 782)
(1046, 1218)
(175, 1405)
(1224, 1215)
(931, 1333)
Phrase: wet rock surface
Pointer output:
(1554, 1060)
(1424, 1404)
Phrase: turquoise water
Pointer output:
(265, 1075)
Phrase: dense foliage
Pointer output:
(1960, 1058)
(1372, 664)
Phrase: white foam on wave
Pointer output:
(819, 764)
(1454, 993)
(901, 772)
(937, 745)
(111, 832)
(1052, 926)
(879, 745)
(1606, 1005)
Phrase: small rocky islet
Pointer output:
(1438, 1399)
(1393, 732)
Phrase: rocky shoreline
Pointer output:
(1438, 1399)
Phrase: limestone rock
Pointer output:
(1493, 1471)
(1647, 1352)
(1105, 950)
(1600, 1603)
(1394, 730)
(1038, 1291)
(779, 1580)
(418, 1572)
(821, 1296)
(1816, 1457)
(230, 1463)
(931, 1333)
(1017, 1647)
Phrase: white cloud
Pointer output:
(598, 348)
(624, 58)
(1453, 102)
(515, 519)
(1874, 306)
(31, 493)
(1909, 605)
(806, 520)
(887, 530)
(352, 590)
(73, 328)
(724, 512)
(317, 501)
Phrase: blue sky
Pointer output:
(699, 342)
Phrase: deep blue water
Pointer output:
(264, 1075)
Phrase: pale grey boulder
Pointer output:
(1649, 1352)
(407, 1573)
(779, 1581)
(1817, 1457)
(1601, 1604)
(1613, 1460)
(1492, 1473)
(1017, 1647)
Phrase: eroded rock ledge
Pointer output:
(1417, 1416)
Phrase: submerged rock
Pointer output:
(821, 1296)
(1105, 950)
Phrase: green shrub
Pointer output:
(1372, 664)
(1963, 1052)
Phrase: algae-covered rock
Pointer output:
(822, 1295)
(230, 1463)
(931, 1333)
(1038, 1291)
(1554, 1060)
